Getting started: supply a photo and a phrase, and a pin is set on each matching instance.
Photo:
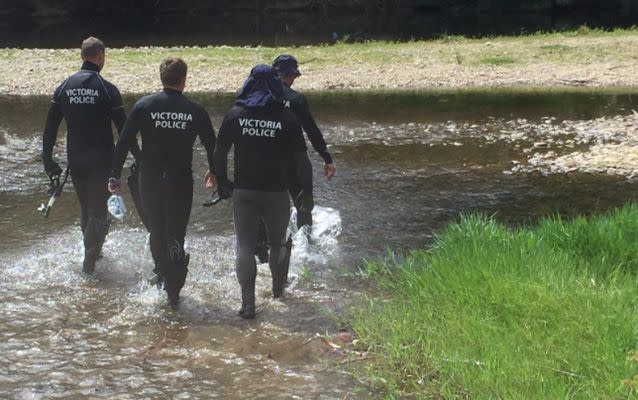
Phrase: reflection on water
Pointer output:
(399, 181)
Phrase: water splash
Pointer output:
(318, 243)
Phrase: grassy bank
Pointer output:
(489, 312)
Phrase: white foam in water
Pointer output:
(211, 283)
(56, 260)
(52, 262)
(211, 288)
(321, 243)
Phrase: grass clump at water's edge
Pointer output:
(497, 60)
(489, 312)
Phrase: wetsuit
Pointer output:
(265, 140)
(88, 103)
(169, 123)
(299, 105)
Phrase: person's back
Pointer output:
(169, 123)
(87, 102)
(263, 139)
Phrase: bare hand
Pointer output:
(210, 180)
(329, 170)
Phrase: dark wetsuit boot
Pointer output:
(247, 310)
(279, 269)
(94, 235)
(175, 275)
(157, 279)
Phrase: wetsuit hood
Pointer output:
(262, 88)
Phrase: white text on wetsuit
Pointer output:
(258, 127)
(82, 95)
(171, 120)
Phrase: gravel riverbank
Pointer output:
(553, 60)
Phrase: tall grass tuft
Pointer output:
(493, 313)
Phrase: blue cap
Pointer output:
(286, 65)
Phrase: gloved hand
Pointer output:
(114, 185)
(51, 167)
(305, 201)
(224, 188)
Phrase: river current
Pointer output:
(407, 166)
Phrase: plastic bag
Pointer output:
(116, 206)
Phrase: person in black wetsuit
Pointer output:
(266, 137)
(169, 123)
(88, 103)
(288, 70)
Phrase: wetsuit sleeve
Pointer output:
(206, 135)
(312, 130)
(127, 137)
(118, 115)
(54, 118)
(303, 167)
(224, 142)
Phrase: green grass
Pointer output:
(494, 313)
(556, 48)
(497, 60)
(374, 52)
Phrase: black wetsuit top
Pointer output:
(169, 123)
(88, 103)
(299, 105)
(265, 139)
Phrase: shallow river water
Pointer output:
(407, 165)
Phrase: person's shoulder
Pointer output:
(70, 81)
(75, 75)
(236, 111)
(58, 90)
(292, 94)
(196, 106)
(146, 101)
(110, 86)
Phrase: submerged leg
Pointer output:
(261, 250)
(246, 216)
(276, 216)
(179, 201)
(92, 194)
(152, 200)
(94, 235)
(176, 272)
